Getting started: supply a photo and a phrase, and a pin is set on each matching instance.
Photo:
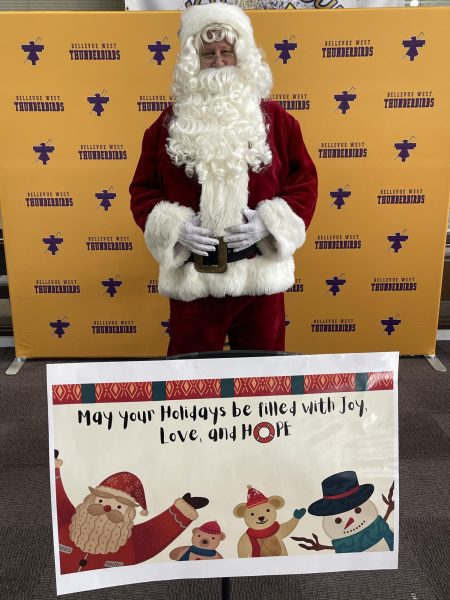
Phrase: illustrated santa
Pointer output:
(100, 532)
(224, 190)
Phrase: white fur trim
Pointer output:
(254, 277)
(116, 493)
(186, 509)
(161, 233)
(287, 230)
(195, 18)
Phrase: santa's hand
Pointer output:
(58, 461)
(196, 501)
(197, 239)
(242, 236)
(299, 513)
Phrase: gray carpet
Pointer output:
(26, 565)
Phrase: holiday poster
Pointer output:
(223, 467)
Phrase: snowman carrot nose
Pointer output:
(349, 522)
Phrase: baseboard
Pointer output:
(6, 341)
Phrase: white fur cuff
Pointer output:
(287, 230)
(161, 233)
(186, 509)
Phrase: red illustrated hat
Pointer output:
(128, 484)
(211, 527)
(254, 497)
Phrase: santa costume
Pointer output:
(79, 543)
(225, 155)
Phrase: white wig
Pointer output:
(218, 131)
(213, 22)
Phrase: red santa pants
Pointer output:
(251, 323)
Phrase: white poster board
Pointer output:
(269, 449)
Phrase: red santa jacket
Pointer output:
(284, 193)
(146, 540)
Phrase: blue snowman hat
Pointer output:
(341, 492)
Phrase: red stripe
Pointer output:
(344, 495)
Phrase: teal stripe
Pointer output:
(227, 388)
(88, 393)
(361, 382)
(159, 390)
(298, 384)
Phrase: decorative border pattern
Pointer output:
(262, 386)
(123, 392)
(192, 389)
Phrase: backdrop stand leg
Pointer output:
(435, 363)
(15, 366)
(226, 588)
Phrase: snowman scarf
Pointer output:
(365, 539)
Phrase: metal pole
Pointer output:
(226, 588)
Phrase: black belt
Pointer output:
(217, 260)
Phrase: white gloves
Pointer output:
(242, 236)
(196, 238)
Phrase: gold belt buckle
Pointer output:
(221, 266)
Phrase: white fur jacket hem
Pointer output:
(268, 273)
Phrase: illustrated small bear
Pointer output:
(205, 540)
(264, 536)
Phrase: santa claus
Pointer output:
(100, 532)
(224, 190)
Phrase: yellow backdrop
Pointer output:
(371, 92)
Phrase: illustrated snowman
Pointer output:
(349, 518)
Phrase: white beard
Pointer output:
(218, 133)
(97, 534)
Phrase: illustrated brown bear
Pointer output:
(264, 536)
(205, 540)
